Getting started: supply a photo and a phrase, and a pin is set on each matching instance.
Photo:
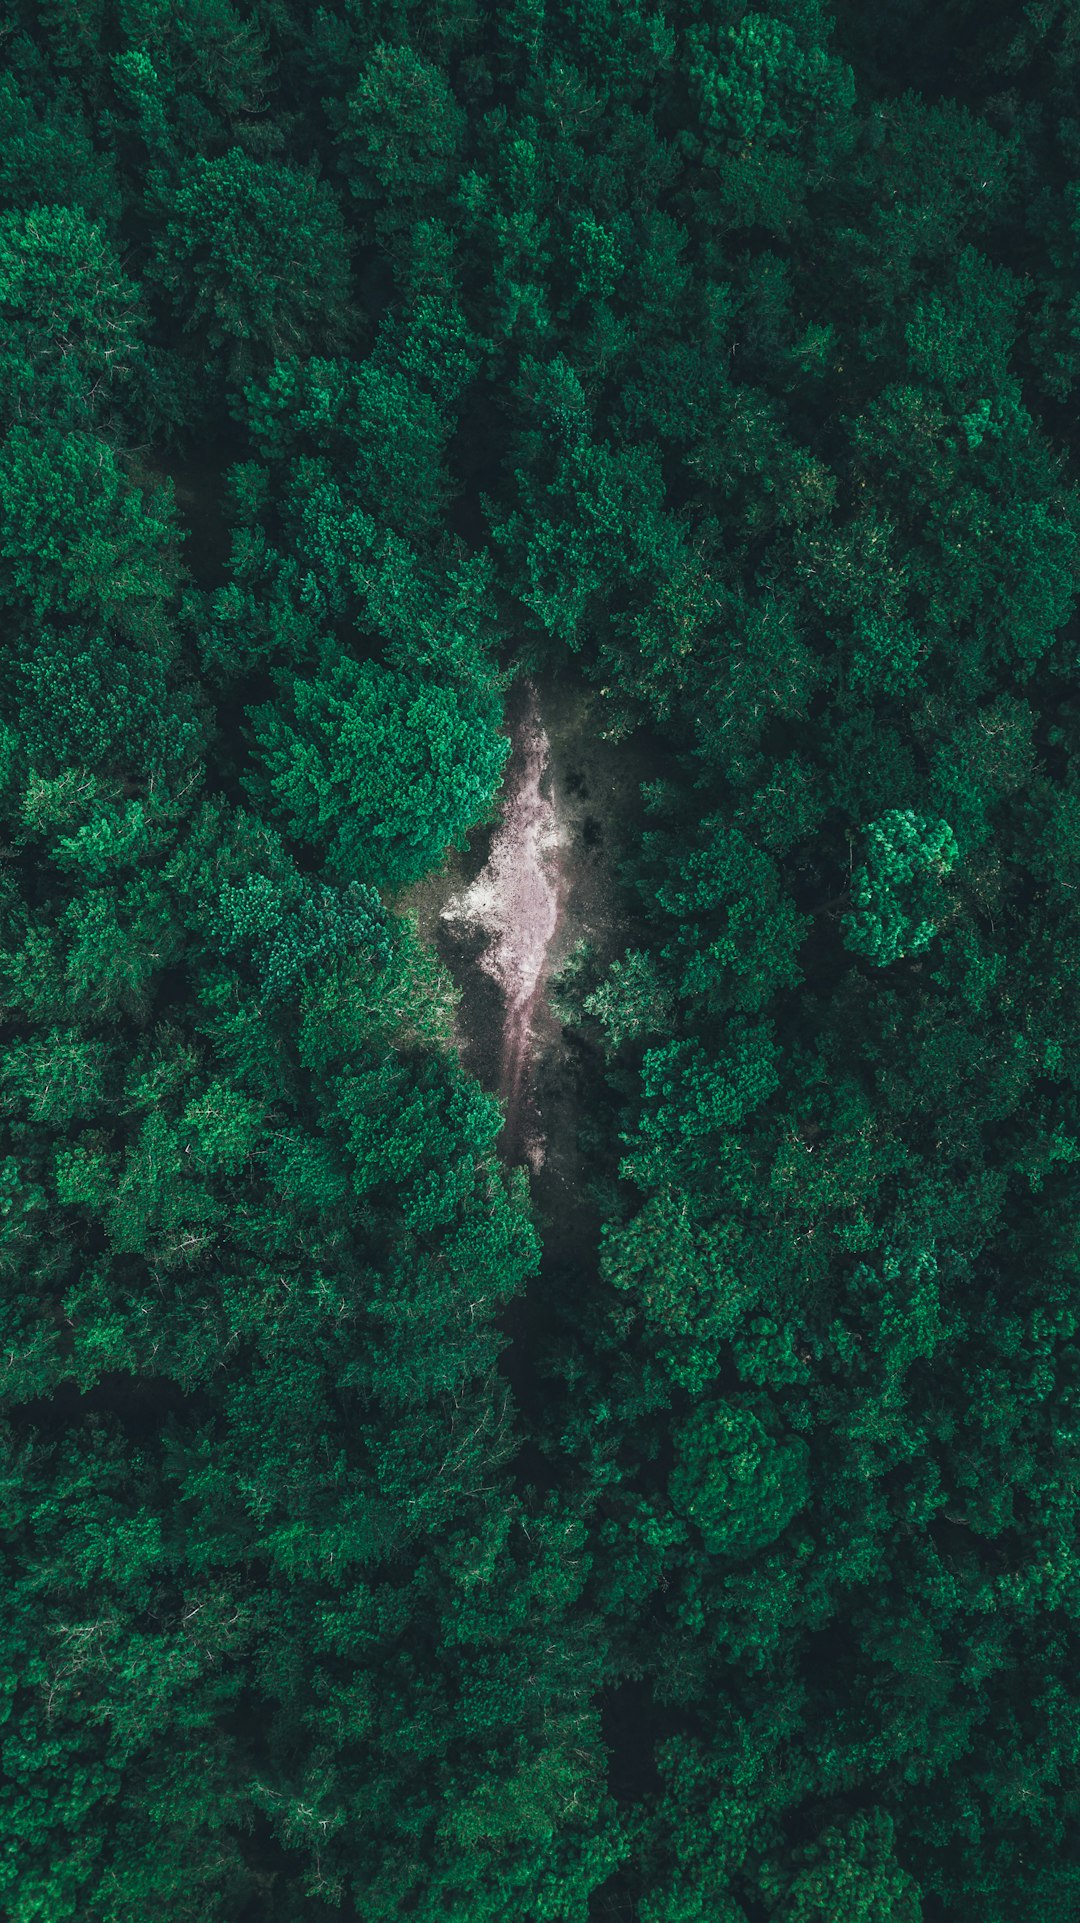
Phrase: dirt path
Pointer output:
(505, 913)
(515, 905)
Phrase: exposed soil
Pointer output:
(505, 913)
(514, 905)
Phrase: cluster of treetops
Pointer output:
(356, 358)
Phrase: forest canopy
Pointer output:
(370, 1552)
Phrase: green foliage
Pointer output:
(737, 1484)
(897, 891)
(379, 773)
(47, 152)
(1057, 332)
(288, 932)
(254, 255)
(736, 935)
(402, 134)
(72, 325)
(775, 112)
(761, 83)
(78, 539)
(852, 1873)
(711, 365)
(631, 1001)
(89, 698)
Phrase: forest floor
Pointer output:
(515, 905)
(507, 912)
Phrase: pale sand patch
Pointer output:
(516, 900)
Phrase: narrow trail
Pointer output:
(536, 882)
(516, 901)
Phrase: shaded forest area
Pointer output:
(356, 359)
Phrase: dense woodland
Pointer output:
(355, 359)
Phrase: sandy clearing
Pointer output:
(515, 902)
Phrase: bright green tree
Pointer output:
(376, 772)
